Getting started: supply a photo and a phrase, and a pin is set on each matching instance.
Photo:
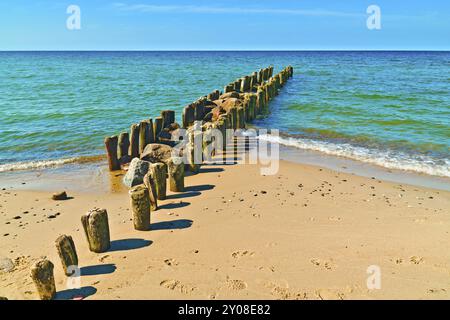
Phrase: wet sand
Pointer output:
(305, 233)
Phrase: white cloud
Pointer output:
(148, 8)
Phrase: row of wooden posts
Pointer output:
(259, 89)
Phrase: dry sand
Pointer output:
(305, 233)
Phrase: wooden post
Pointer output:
(176, 175)
(124, 146)
(111, 151)
(158, 172)
(143, 135)
(67, 253)
(96, 229)
(149, 182)
(157, 127)
(134, 141)
(43, 278)
(140, 207)
(240, 118)
(168, 117)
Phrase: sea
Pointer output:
(389, 109)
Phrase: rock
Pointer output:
(6, 265)
(217, 111)
(157, 152)
(60, 196)
(228, 95)
(136, 172)
(232, 103)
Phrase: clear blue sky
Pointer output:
(224, 25)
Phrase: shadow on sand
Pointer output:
(71, 294)
(129, 244)
(98, 269)
(170, 225)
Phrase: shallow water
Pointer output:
(386, 108)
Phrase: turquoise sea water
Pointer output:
(386, 108)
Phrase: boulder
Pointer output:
(232, 94)
(136, 171)
(232, 103)
(60, 196)
(157, 152)
(6, 265)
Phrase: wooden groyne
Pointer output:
(147, 150)
(239, 103)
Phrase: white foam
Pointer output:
(17, 166)
(388, 159)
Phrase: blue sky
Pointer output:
(224, 25)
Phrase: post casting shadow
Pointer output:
(70, 294)
(174, 224)
(98, 269)
(184, 195)
(202, 187)
(211, 170)
(129, 244)
(174, 205)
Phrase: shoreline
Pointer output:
(306, 233)
(100, 182)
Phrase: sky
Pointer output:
(224, 25)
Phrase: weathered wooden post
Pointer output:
(149, 182)
(157, 127)
(229, 88)
(67, 253)
(140, 207)
(43, 278)
(176, 174)
(124, 145)
(188, 116)
(143, 135)
(158, 172)
(96, 229)
(240, 118)
(111, 151)
(168, 117)
(245, 84)
(134, 141)
(194, 151)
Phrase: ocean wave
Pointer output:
(384, 158)
(42, 164)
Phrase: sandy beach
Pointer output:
(305, 233)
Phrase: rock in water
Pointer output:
(136, 172)
(60, 196)
(157, 152)
(42, 275)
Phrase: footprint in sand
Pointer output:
(171, 262)
(176, 286)
(329, 265)
(335, 218)
(326, 294)
(236, 285)
(284, 293)
(416, 260)
(242, 253)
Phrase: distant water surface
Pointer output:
(386, 108)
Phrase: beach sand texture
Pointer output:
(304, 233)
